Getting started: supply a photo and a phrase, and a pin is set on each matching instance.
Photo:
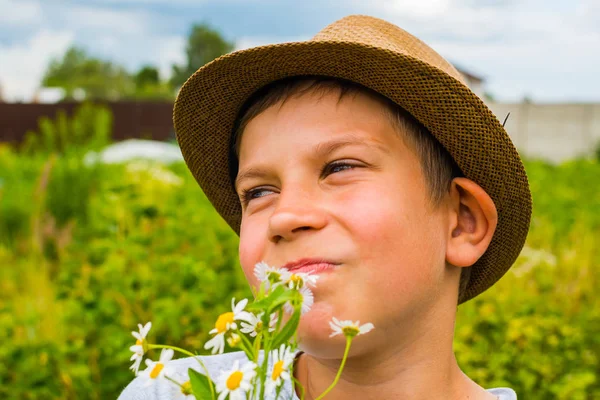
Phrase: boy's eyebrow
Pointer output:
(319, 151)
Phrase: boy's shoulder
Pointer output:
(503, 393)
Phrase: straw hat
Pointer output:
(387, 59)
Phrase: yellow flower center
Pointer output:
(297, 281)
(258, 327)
(156, 370)
(350, 331)
(139, 342)
(233, 382)
(234, 340)
(277, 370)
(186, 388)
(223, 321)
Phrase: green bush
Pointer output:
(88, 252)
(89, 129)
(151, 248)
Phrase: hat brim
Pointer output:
(209, 102)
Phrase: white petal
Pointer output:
(366, 328)
(244, 316)
(166, 355)
(260, 271)
(217, 344)
(144, 331)
(240, 306)
(136, 348)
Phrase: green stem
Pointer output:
(264, 372)
(166, 346)
(257, 342)
(246, 345)
(188, 353)
(173, 380)
(339, 374)
(297, 382)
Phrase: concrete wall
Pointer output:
(555, 132)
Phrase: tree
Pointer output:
(148, 85)
(97, 78)
(204, 45)
(146, 76)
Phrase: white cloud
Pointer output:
(23, 65)
(20, 13)
(558, 68)
(421, 9)
(537, 48)
(246, 42)
(105, 20)
(170, 50)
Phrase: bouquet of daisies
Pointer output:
(265, 330)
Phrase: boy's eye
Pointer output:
(336, 166)
(328, 169)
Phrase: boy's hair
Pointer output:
(438, 166)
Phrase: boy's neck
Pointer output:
(420, 367)
(387, 380)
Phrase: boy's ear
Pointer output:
(473, 220)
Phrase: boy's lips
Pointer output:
(314, 265)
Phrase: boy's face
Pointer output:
(340, 184)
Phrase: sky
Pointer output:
(545, 50)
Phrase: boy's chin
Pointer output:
(314, 335)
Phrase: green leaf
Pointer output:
(277, 298)
(200, 385)
(288, 330)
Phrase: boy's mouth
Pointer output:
(310, 265)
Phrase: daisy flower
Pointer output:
(156, 370)
(236, 381)
(181, 387)
(185, 392)
(282, 359)
(270, 275)
(255, 325)
(308, 300)
(226, 323)
(349, 328)
(140, 347)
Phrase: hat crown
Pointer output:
(382, 34)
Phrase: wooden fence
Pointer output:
(142, 120)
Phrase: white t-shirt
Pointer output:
(169, 391)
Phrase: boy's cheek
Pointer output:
(250, 252)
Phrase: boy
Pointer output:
(361, 151)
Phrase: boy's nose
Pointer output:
(291, 217)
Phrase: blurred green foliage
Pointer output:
(204, 44)
(83, 76)
(99, 79)
(88, 251)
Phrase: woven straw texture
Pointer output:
(387, 59)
